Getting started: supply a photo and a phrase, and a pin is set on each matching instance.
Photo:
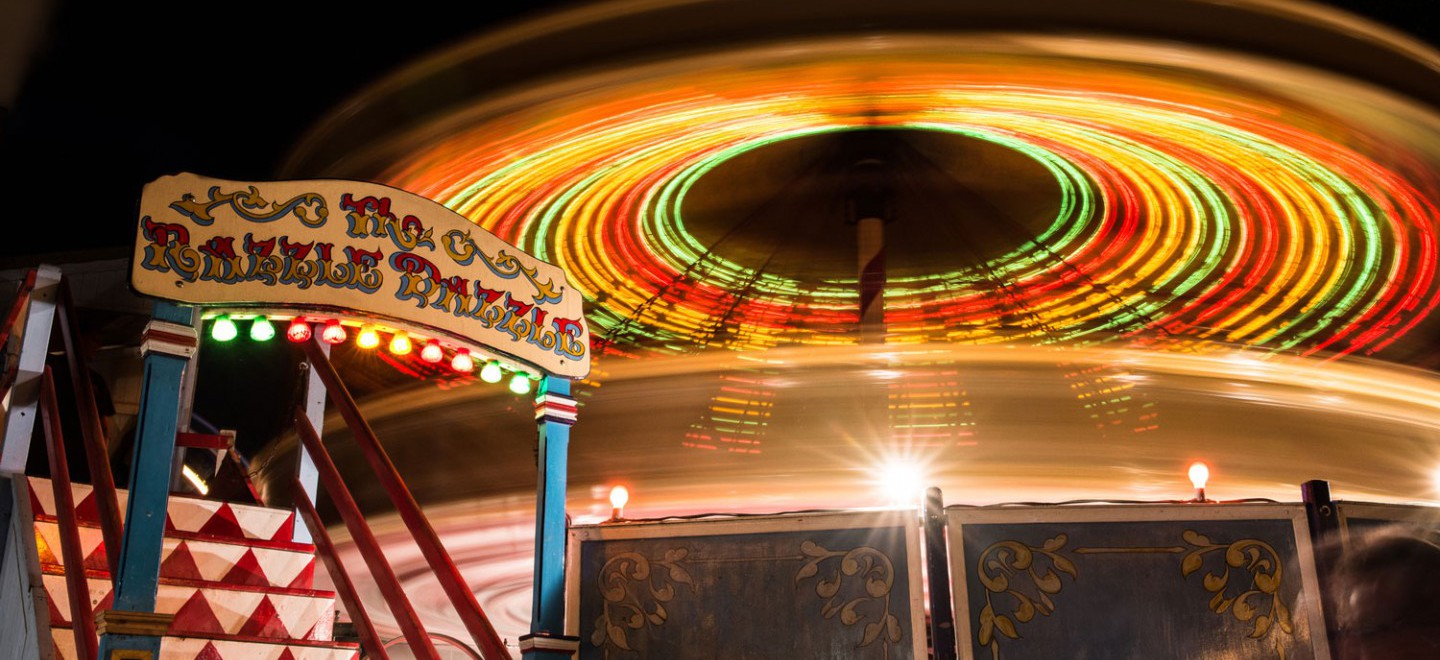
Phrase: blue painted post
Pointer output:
(554, 414)
(132, 629)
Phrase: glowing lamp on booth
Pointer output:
(299, 330)
(400, 344)
(520, 383)
(334, 333)
(432, 352)
(491, 373)
(368, 338)
(619, 497)
(462, 362)
(261, 329)
(223, 329)
(1199, 475)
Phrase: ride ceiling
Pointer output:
(1046, 188)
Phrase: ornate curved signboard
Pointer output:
(350, 245)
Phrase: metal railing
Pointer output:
(444, 569)
(82, 618)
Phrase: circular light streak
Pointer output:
(1195, 209)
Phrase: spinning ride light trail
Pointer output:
(1192, 209)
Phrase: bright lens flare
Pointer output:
(901, 482)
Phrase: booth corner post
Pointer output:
(131, 628)
(555, 413)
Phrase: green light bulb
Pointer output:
(223, 329)
(520, 383)
(261, 329)
(491, 372)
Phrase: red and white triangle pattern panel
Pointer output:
(195, 648)
(219, 611)
(185, 514)
(192, 559)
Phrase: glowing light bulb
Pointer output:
(368, 338)
(334, 333)
(432, 352)
(520, 383)
(261, 329)
(223, 329)
(298, 331)
(619, 497)
(1199, 475)
(491, 373)
(400, 344)
(462, 362)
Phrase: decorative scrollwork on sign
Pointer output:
(1262, 564)
(878, 574)
(1000, 565)
(251, 206)
(635, 593)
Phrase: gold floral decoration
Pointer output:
(635, 589)
(1000, 565)
(878, 574)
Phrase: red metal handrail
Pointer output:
(22, 296)
(365, 542)
(82, 617)
(92, 431)
(343, 586)
(459, 593)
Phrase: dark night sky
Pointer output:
(121, 93)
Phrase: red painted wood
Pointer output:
(11, 318)
(325, 550)
(459, 593)
(21, 296)
(365, 542)
(82, 618)
(92, 430)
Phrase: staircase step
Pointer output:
(210, 609)
(213, 559)
(185, 514)
(221, 647)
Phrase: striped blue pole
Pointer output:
(131, 628)
(554, 414)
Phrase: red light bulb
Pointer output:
(432, 352)
(462, 362)
(334, 333)
(299, 330)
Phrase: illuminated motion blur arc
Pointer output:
(1194, 208)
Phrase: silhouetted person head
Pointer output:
(1387, 598)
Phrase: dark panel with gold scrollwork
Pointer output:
(1203, 581)
(812, 586)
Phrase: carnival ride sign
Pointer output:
(349, 245)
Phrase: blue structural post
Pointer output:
(131, 630)
(554, 414)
